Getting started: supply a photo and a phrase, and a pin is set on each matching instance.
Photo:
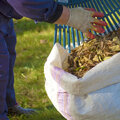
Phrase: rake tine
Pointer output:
(55, 34)
(73, 37)
(60, 34)
(78, 38)
(64, 37)
(68, 37)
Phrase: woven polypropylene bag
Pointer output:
(95, 96)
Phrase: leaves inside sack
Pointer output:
(92, 52)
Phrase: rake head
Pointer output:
(69, 36)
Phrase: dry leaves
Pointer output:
(85, 57)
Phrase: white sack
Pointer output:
(95, 96)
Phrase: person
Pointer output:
(39, 10)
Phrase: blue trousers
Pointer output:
(7, 60)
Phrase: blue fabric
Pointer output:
(40, 10)
(7, 59)
(8, 10)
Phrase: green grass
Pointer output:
(34, 43)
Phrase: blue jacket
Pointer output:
(7, 10)
(40, 10)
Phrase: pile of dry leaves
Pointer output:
(92, 52)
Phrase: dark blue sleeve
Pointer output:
(41, 10)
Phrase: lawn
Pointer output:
(34, 43)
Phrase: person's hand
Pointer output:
(85, 20)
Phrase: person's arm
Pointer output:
(51, 12)
(83, 19)
(63, 19)
(41, 10)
